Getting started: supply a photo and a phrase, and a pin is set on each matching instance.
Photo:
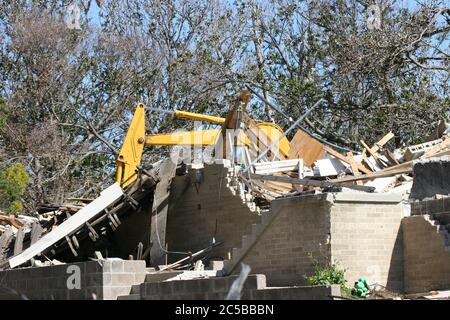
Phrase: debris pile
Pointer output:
(266, 164)
(321, 168)
(79, 227)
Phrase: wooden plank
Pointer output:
(5, 240)
(18, 244)
(36, 232)
(373, 154)
(11, 220)
(279, 186)
(354, 166)
(378, 145)
(107, 197)
(306, 147)
(277, 166)
(344, 158)
(309, 182)
(391, 157)
(405, 167)
(379, 174)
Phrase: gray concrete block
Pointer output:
(191, 286)
(178, 287)
(77, 294)
(94, 293)
(135, 289)
(93, 267)
(161, 276)
(139, 277)
(111, 293)
(130, 297)
(113, 266)
(122, 279)
(137, 266)
(165, 288)
(221, 284)
(94, 279)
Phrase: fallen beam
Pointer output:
(310, 182)
(107, 197)
(405, 167)
(345, 159)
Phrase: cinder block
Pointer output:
(111, 292)
(165, 288)
(93, 267)
(77, 294)
(137, 266)
(94, 293)
(94, 279)
(113, 266)
(122, 279)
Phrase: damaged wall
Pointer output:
(207, 209)
(427, 251)
(361, 234)
(98, 281)
(431, 177)
(366, 237)
(427, 258)
(360, 231)
(299, 234)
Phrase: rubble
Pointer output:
(82, 228)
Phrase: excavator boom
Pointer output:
(130, 155)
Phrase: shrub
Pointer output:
(13, 182)
(326, 275)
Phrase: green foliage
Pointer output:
(327, 274)
(13, 182)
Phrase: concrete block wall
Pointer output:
(366, 238)
(217, 288)
(198, 289)
(301, 229)
(430, 206)
(427, 258)
(105, 280)
(208, 209)
(362, 235)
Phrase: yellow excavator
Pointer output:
(129, 158)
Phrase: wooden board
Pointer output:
(344, 158)
(18, 244)
(354, 166)
(309, 182)
(306, 147)
(107, 197)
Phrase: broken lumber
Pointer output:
(345, 159)
(405, 167)
(107, 197)
(354, 166)
(309, 182)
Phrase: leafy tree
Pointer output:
(13, 182)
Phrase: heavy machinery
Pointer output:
(130, 156)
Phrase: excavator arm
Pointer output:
(130, 155)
